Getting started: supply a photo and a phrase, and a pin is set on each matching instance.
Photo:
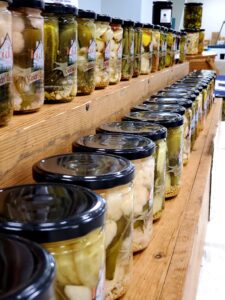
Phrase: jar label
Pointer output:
(100, 288)
(132, 48)
(120, 51)
(107, 50)
(38, 56)
(151, 47)
(73, 52)
(6, 61)
(92, 50)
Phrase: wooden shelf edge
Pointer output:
(50, 131)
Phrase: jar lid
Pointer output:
(91, 170)
(173, 93)
(39, 4)
(129, 23)
(49, 212)
(147, 25)
(191, 30)
(163, 118)
(129, 146)
(171, 101)
(193, 4)
(191, 97)
(103, 18)
(27, 270)
(158, 27)
(58, 8)
(138, 24)
(162, 2)
(86, 14)
(183, 33)
(117, 21)
(160, 107)
(150, 130)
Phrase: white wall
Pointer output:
(213, 16)
(146, 11)
(125, 9)
(94, 5)
(178, 12)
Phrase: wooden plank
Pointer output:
(50, 131)
(165, 269)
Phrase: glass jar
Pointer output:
(188, 116)
(192, 42)
(28, 56)
(140, 151)
(111, 177)
(137, 48)
(162, 48)
(146, 49)
(6, 64)
(86, 52)
(68, 221)
(157, 133)
(183, 46)
(177, 47)
(192, 15)
(103, 44)
(174, 124)
(156, 40)
(128, 50)
(201, 41)
(33, 270)
(60, 33)
(151, 107)
(116, 51)
(170, 40)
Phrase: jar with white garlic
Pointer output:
(6, 63)
(111, 177)
(103, 45)
(156, 133)
(139, 150)
(28, 55)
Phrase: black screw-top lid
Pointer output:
(92, 170)
(49, 212)
(193, 4)
(193, 30)
(175, 93)
(128, 23)
(157, 27)
(27, 270)
(150, 130)
(58, 8)
(138, 25)
(129, 146)
(86, 14)
(159, 107)
(39, 4)
(103, 18)
(163, 118)
(191, 97)
(148, 25)
(117, 21)
(171, 101)
(183, 33)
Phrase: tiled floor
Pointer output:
(212, 275)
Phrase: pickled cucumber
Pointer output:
(85, 34)
(51, 44)
(67, 36)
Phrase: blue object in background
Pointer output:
(220, 86)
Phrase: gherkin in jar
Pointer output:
(137, 48)
(60, 30)
(156, 46)
(183, 46)
(162, 48)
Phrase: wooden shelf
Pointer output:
(169, 268)
(50, 131)
(206, 60)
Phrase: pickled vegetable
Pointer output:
(128, 52)
(137, 50)
(103, 43)
(162, 48)
(60, 58)
(201, 41)
(192, 42)
(86, 56)
(187, 135)
(28, 70)
(116, 53)
(170, 53)
(174, 161)
(147, 49)
(183, 47)
(6, 64)
(156, 40)
(193, 15)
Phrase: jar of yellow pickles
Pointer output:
(156, 39)
(147, 49)
(68, 221)
(111, 177)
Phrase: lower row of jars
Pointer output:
(130, 166)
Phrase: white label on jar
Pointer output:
(132, 48)
(38, 56)
(193, 124)
(120, 51)
(165, 15)
(73, 52)
(100, 288)
(6, 55)
(107, 51)
(151, 47)
(92, 51)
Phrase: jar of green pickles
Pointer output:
(177, 47)
(137, 48)
(156, 133)
(103, 43)
(162, 48)
(170, 41)
(156, 40)
(147, 49)
(140, 151)
(68, 221)
(28, 55)
(192, 41)
(201, 41)
(174, 124)
(6, 64)
(193, 15)
(128, 50)
(28, 271)
(183, 46)
(60, 49)
(112, 178)
(115, 64)
(86, 52)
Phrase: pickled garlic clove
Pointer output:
(66, 272)
(114, 209)
(78, 292)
